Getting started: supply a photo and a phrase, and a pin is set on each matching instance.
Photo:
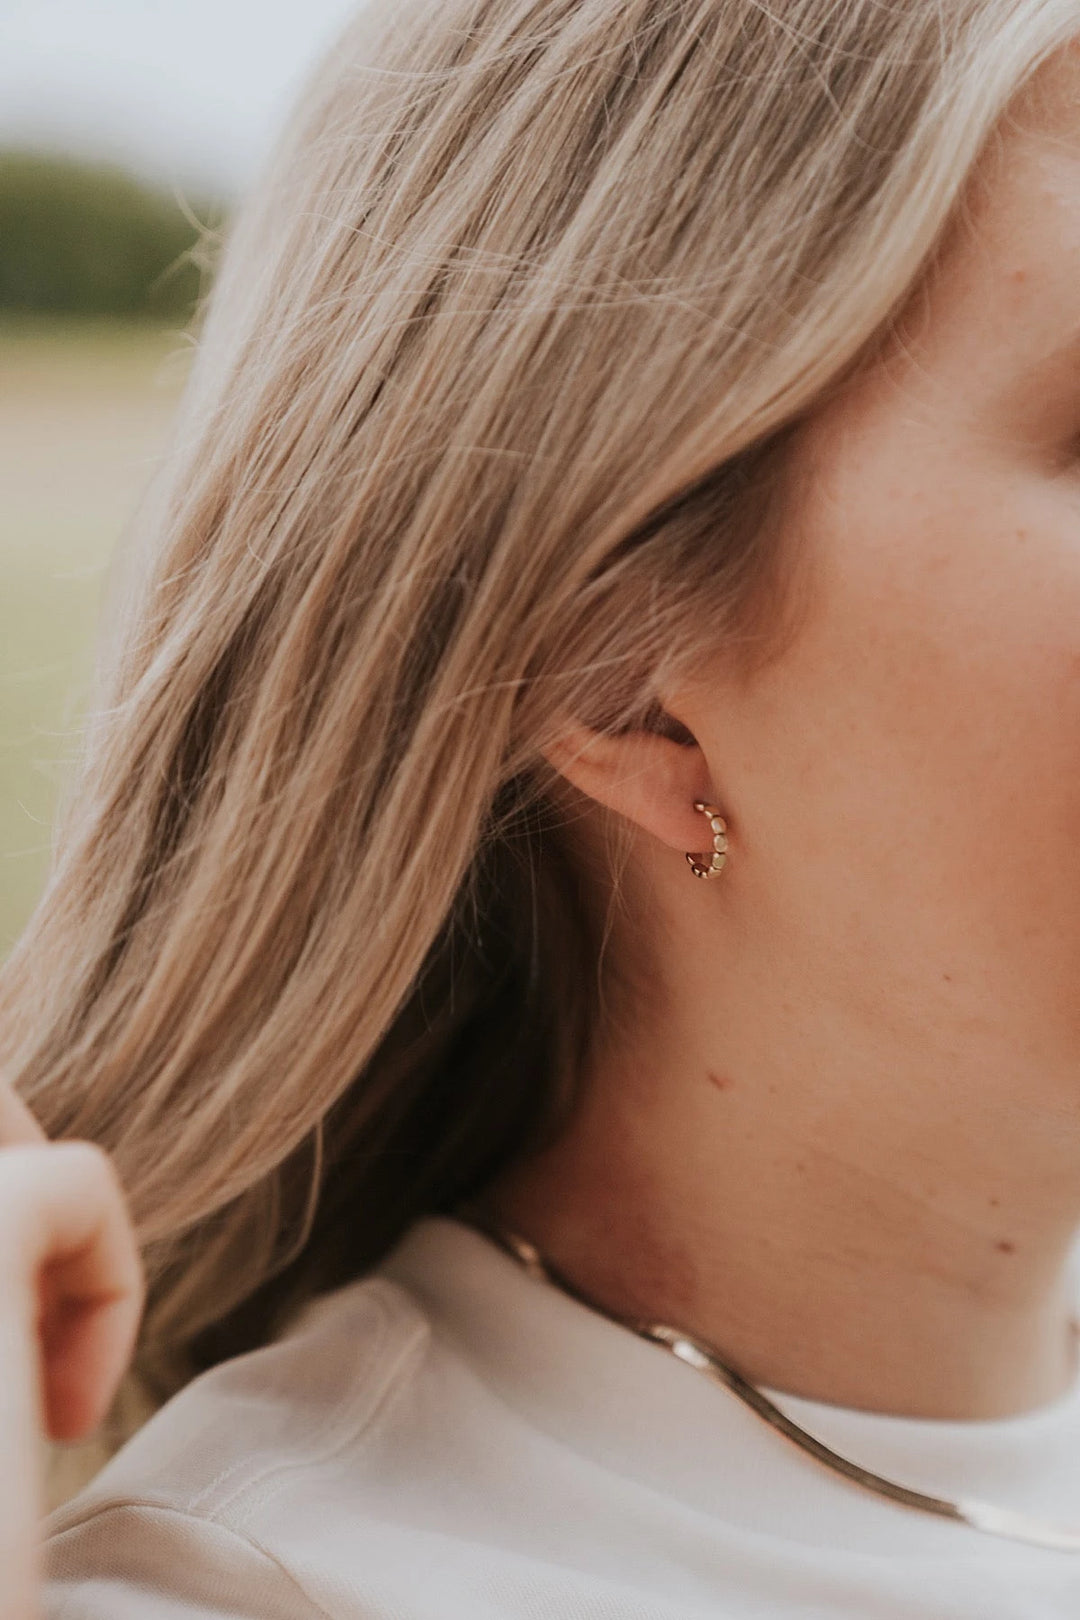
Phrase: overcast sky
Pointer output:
(187, 90)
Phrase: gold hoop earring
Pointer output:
(712, 866)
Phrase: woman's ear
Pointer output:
(650, 776)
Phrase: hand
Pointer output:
(70, 1299)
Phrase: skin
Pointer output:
(834, 1128)
(70, 1298)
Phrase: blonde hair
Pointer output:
(490, 410)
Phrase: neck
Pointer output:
(836, 1251)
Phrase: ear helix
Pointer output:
(711, 866)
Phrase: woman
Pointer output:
(574, 859)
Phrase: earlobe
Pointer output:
(651, 779)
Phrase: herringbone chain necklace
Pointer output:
(993, 1521)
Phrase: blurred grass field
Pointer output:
(84, 412)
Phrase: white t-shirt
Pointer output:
(451, 1440)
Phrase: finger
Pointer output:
(17, 1123)
(67, 1252)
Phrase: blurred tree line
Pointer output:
(88, 239)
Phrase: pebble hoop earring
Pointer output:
(704, 866)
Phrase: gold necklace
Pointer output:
(993, 1521)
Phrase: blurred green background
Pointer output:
(99, 277)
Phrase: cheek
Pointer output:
(926, 723)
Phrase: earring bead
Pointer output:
(711, 866)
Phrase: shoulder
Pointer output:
(205, 1492)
